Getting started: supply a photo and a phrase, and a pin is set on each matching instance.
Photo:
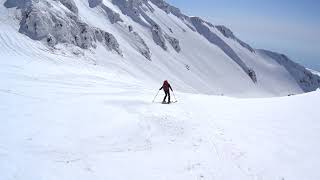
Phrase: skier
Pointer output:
(166, 88)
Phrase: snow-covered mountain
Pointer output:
(78, 79)
(152, 41)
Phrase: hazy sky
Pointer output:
(291, 27)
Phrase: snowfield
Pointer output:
(89, 124)
(83, 110)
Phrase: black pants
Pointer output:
(167, 95)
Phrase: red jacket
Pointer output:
(166, 86)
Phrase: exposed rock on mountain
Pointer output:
(40, 21)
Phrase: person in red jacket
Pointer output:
(166, 88)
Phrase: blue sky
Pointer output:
(291, 27)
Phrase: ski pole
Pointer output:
(155, 96)
(174, 96)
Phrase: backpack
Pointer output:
(166, 85)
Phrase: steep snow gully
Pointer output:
(78, 77)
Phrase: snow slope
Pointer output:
(67, 119)
(153, 41)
